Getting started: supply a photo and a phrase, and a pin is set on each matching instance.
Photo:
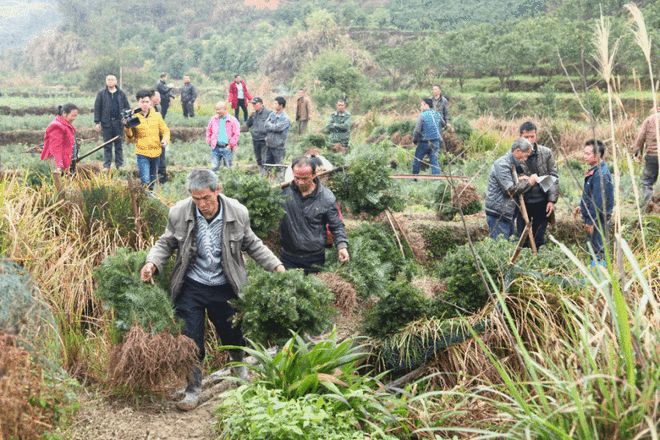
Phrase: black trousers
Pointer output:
(539, 219)
(110, 130)
(241, 105)
(310, 264)
(164, 105)
(195, 301)
(162, 168)
(188, 108)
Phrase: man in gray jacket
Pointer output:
(277, 130)
(188, 97)
(256, 123)
(310, 211)
(209, 231)
(504, 189)
(540, 204)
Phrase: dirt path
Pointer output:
(101, 419)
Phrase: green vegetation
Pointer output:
(271, 305)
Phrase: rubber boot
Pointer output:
(239, 371)
(193, 391)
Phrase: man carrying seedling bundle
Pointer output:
(540, 203)
(504, 188)
(209, 231)
(309, 207)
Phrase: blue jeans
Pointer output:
(601, 229)
(148, 169)
(424, 148)
(499, 226)
(218, 154)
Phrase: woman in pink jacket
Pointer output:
(60, 138)
(222, 135)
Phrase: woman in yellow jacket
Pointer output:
(150, 135)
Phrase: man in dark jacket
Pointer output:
(540, 204)
(339, 125)
(256, 123)
(188, 97)
(110, 102)
(503, 190)
(597, 200)
(309, 207)
(166, 94)
(440, 105)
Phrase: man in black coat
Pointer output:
(310, 211)
(110, 102)
(165, 94)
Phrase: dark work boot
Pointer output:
(193, 390)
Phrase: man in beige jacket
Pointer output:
(648, 137)
(209, 231)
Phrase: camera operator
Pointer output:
(166, 94)
(148, 131)
(108, 107)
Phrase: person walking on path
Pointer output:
(239, 96)
(109, 105)
(209, 233)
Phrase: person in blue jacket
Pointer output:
(597, 198)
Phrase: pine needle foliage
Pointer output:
(366, 187)
(264, 203)
(403, 304)
(375, 260)
(272, 304)
(133, 301)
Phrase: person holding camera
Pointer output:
(166, 94)
(108, 107)
(146, 128)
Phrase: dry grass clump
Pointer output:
(429, 286)
(21, 383)
(463, 195)
(146, 363)
(345, 294)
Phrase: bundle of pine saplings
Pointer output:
(151, 355)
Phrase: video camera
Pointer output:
(129, 119)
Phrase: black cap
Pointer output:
(256, 100)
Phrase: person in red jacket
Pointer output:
(239, 96)
(60, 138)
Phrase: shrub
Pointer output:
(263, 202)
(403, 304)
(132, 300)
(402, 127)
(466, 293)
(38, 174)
(375, 260)
(462, 127)
(274, 303)
(480, 142)
(366, 186)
